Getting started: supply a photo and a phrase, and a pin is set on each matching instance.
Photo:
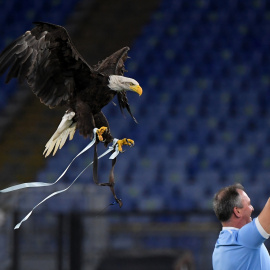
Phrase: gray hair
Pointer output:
(225, 200)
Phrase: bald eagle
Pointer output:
(58, 75)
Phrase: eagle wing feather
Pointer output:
(47, 59)
(113, 64)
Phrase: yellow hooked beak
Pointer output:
(137, 89)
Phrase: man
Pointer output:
(240, 245)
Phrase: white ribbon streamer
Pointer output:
(42, 184)
(111, 148)
(116, 150)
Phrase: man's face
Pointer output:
(247, 208)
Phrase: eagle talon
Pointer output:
(124, 141)
(100, 131)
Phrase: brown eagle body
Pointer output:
(58, 75)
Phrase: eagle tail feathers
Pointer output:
(66, 129)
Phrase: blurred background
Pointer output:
(203, 120)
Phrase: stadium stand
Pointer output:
(204, 72)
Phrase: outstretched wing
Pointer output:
(47, 59)
(113, 64)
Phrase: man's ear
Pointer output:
(237, 212)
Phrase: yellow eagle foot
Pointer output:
(124, 141)
(100, 131)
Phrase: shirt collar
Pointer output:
(229, 228)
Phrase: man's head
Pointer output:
(232, 206)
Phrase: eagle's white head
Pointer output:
(121, 83)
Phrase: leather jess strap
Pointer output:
(111, 182)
